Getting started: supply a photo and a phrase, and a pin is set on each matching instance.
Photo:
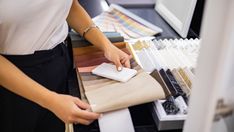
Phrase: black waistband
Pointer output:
(38, 57)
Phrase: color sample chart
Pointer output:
(126, 23)
(172, 63)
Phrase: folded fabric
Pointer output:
(140, 89)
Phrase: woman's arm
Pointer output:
(64, 106)
(16, 81)
(79, 20)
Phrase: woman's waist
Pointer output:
(38, 57)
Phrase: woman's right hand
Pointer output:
(72, 110)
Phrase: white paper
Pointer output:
(116, 121)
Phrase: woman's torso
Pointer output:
(27, 26)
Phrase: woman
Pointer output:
(34, 64)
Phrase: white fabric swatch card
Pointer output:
(109, 71)
(116, 121)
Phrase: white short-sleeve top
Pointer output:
(27, 26)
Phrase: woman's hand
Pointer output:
(72, 110)
(117, 56)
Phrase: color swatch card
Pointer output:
(126, 23)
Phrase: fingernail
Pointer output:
(119, 68)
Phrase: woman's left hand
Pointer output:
(118, 57)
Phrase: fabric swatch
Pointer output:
(107, 95)
(140, 89)
(185, 77)
(181, 82)
(156, 75)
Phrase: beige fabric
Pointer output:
(185, 77)
(81, 89)
(140, 89)
(189, 73)
(181, 82)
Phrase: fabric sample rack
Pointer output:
(172, 63)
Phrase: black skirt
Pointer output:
(50, 68)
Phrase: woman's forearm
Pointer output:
(79, 20)
(17, 82)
